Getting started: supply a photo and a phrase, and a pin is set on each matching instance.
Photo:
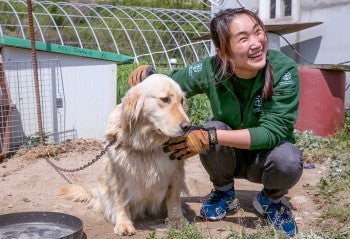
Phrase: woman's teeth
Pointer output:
(255, 55)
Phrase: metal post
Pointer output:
(35, 71)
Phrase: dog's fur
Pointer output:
(139, 179)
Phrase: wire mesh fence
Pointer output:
(153, 35)
(18, 115)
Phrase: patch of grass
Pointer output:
(185, 231)
(124, 72)
(335, 189)
(199, 110)
(314, 147)
(320, 149)
(261, 233)
(188, 231)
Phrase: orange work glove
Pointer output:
(193, 143)
(139, 74)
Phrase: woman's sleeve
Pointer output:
(194, 78)
(279, 115)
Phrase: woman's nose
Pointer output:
(255, 42)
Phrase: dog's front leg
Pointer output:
(173, 205)
(124, 225)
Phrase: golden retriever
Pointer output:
(139, 179)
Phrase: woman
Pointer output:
(254, 95)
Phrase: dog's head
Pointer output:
(156, 105)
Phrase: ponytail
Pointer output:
(267, 91)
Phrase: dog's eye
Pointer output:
(165, 99)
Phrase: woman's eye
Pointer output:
(259, 32)
(242, 39)
(165, 99)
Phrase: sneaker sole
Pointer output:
(213, 218)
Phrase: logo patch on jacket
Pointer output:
(195, 69)
(287, 79)
(258, 104)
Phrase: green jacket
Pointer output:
(269, 122)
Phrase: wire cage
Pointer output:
(18, 118)
(161, 37)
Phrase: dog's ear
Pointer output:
(132, 105)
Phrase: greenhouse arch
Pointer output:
(161, 37)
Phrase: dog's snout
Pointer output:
(185, 126)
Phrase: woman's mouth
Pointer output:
(256, 54)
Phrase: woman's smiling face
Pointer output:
(248, 46)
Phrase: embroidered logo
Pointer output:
(258, 104)
(195, 68)
(287, 79)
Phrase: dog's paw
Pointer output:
(176, 222)
(124, 229)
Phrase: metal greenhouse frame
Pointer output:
(161, 37)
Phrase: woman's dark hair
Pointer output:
(220, 34)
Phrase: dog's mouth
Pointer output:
(174, 133)
(173, 129)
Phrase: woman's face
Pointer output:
(248, 45)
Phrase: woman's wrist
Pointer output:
(234, 138)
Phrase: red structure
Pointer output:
(322, 99)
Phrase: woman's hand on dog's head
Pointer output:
(139, 74)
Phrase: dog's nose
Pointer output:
(185, 126)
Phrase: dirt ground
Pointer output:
(29, 183)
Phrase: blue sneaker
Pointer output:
(217, 204)
(278, 214)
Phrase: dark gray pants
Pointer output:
(278, 169)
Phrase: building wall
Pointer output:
(89, 89)
(327, 43)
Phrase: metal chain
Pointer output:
(60, 169)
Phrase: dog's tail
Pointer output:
(76, 193)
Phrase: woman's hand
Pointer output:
(193, 143)
(139, 74)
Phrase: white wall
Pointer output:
(89, 89)
(329, 42)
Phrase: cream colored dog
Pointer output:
(139, 179)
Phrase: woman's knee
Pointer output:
(287, 157)
(285, 164)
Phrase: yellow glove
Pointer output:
(191, 144)
(139, 74)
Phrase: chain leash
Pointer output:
(60, 169)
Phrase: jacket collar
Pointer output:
(226, 82)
